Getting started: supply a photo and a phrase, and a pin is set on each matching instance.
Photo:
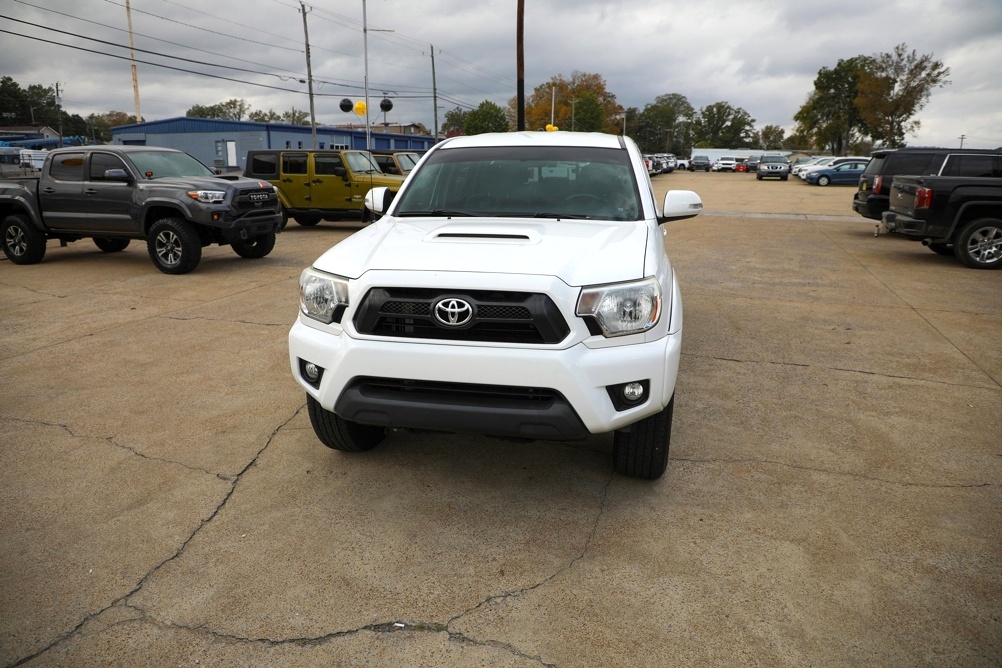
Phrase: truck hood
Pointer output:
(205, 182)
(576, 251)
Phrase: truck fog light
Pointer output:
(311, 373)
(633, 392)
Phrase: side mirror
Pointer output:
(679, 205)
(378, 200)
(342, 172)
(117, 175)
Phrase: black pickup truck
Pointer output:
(113, 194)
(952, 215)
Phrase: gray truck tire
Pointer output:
(174, 245)
(23, 243)
(339, 434)
(255, 247)
(641, 450)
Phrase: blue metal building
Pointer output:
(224, 144)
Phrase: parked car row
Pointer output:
(660, 163)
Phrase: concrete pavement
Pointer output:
(833, 496)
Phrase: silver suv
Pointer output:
(773, 165)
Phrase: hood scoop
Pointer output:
(491, 234)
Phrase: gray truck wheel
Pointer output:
(255, 247)
(339, 434)
(641, 450)
(979, 244)
(23, 243)
(111, 245)
(174, 246)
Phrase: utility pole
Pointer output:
(59, 113)
(520, 64)
(434, 90)
(132, 54)
(962, 138)
(309, 77)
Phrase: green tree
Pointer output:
(664, 125)
(488, 117)
(297, 117)
(894, 88)
(259, 116)
(830, 118)
(771, 137)
(231, 110)
(721, 125)
(454, 122)
(587, 114)
(557, 99)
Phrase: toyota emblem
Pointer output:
(453, 312)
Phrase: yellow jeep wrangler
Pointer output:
(322, 184)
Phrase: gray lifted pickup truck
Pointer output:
(114, 194)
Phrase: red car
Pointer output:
(741, 167)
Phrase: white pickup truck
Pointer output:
(517, 286)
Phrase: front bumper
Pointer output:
(578, 375)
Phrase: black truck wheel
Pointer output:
(255, 247)
(979, 244)
(339, 434)
(174, 245)
(111, 245)
(23, 243)
(307, 220)
(641, 450)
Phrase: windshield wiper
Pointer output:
(544, 214)
(438, 212)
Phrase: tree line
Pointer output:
(855, 105)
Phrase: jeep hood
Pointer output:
(576, 251)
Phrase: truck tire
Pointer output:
(978, 245)
(339, 434)
(641, 450)
(174, 245)
(111, 245)
(255, 247)
(23, 243)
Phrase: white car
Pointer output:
(516, 286)
(725, 164)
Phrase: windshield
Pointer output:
(524, 182)
(361, 162)
(407, 160)
(167, 164)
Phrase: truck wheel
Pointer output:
(339, 434)
(111, 245)
(307, 221)
(174, 246)
(23, 243)
(285, 218)
(979, 244)
(255, 247)
(641, 450)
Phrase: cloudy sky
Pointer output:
(760, 56)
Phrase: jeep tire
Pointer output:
(255, 247)
(111, 245)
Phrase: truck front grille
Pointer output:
(496, 316)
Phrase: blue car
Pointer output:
(847, 173)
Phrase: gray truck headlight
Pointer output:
(622, 308)
(322, 296)
(207, 195)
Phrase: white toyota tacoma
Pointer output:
(516, 286)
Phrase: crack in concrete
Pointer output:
(831, 472)
(123, 599)
(112, 441)
(239, 322)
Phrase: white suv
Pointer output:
(517, 286)
(725, 164)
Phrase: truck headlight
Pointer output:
(207, 195)
(322, 296)
(622, 308)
